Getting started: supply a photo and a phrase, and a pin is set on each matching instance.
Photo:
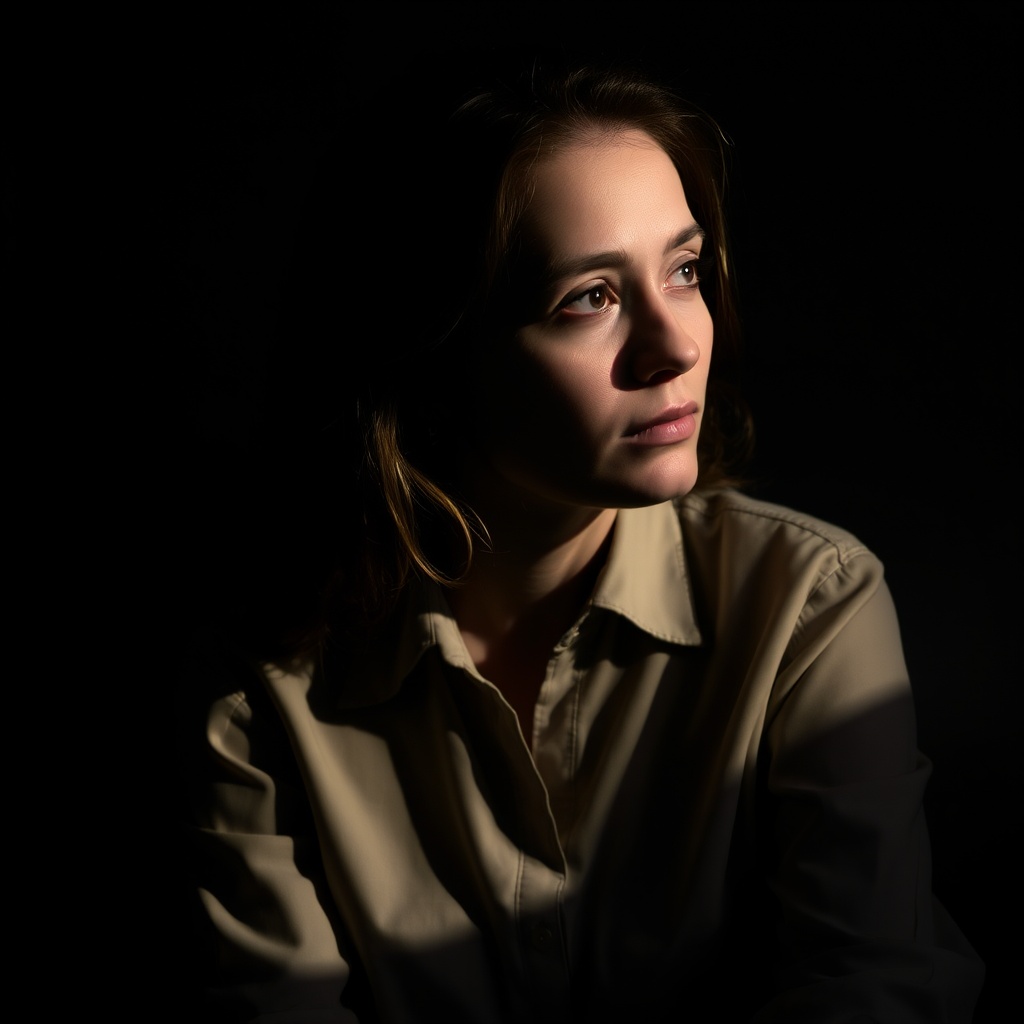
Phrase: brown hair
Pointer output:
(470, 189)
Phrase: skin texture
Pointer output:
(606, 347)
(615, 334)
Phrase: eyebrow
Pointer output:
(611, 257)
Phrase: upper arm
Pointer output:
(849, 854)
(266, 930)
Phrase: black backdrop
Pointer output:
(876, 220)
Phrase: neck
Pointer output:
(529, 585)
(522, 569)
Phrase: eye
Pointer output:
(594, 299)
(687, 274)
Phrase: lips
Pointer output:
(673, 414)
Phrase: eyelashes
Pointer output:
(598, 296)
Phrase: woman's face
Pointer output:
(596, 398)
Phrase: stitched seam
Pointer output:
(843, 553)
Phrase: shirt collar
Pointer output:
(644, 580)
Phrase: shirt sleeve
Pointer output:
(268, 941)
(862, 937)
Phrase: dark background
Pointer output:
(876, 222)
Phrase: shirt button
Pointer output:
(541, 937)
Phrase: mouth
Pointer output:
(672, 425)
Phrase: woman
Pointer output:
(575, 730)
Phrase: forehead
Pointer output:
(604, 144)
(605, 191)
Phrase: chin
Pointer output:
(656, 497)
(650, 491)
(663, 481)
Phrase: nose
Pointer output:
(660, 345)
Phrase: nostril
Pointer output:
(663, 376)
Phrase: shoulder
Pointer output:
(736, 511)
(215, 671)
(222, 707)
(733, 519)
(742, 545)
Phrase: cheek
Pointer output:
(545, 402)
(568, 385)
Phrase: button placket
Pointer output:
(541, 936)
(547, 970)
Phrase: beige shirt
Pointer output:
(721, 815)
